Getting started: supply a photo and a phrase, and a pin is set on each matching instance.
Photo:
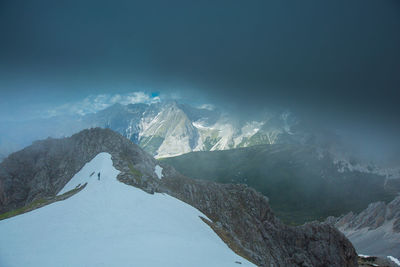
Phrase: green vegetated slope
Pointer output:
(301, 185)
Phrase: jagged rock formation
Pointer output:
(374, 231)
(237, 212)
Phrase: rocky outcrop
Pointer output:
(236, 211)
(246, 215)
(42, 169)
(2, 194)
(375, 230)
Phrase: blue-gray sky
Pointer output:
(338, 59)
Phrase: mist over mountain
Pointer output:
(244, 58)
(297, 99)
(170, 127)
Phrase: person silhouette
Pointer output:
(98, 176)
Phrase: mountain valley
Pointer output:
(301, 183)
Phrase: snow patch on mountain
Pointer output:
(247, 131)
(200, 125)
(225, 135)
(158, 171)
(396, 261)
(109, 223)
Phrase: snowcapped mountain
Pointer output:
(168, 128)
(171, 129)
(56, 210)
(109, 223)
(168, 133)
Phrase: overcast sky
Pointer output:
(338, 60)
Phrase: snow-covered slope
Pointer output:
(109, 223)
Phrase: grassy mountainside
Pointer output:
(301, 185)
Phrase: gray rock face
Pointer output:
(246, 215)
(42, 169)
(239, 212)
(374, 231)
(376, 215)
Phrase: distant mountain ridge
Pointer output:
(375, 230)
(163, 129)
(170, 128)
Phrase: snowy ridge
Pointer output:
(396, 261)
(109, 223)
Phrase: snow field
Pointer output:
(109, 223)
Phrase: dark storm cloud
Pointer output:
(339, 58)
